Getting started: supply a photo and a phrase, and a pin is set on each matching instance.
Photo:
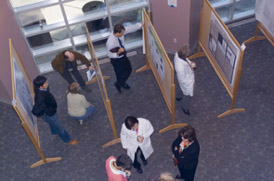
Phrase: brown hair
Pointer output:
(188, 132)
(74, 88)
(183, 52)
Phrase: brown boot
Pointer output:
(73, 142)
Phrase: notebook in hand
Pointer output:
(114, 50)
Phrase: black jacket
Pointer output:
(45, 103)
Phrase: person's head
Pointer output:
(118, 30)
(74, 88)
(183, 52)
(166, 176)
(188, 134)
(40, 82)
(69, 55)
(124, 162)
(131, 122)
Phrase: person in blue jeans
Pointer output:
(78, 107)
(45, 107)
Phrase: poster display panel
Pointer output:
(220, 46)
(159, 62)
(263, 11)
(22, 93)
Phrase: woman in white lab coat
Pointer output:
(185, 75)
(135, 136)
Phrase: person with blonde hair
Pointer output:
(78, 107)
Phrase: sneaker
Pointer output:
(126, 86)
(73, 142)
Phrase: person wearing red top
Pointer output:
(118, 169)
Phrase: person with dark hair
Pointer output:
(186, 150)
(78, 107)
(135, 136)
(117, 54)
(185, 75)
(66, 63)
(46, 107)
(118, 169)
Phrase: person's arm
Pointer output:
(124, 137)
(132, 28)
(148, 129)
(84, 101)
(58, 63)
(112, 42)
(82, 58)
(175, 145)
(188, 154)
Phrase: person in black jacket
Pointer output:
(45, 107)
(186, 150)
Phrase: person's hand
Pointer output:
(128, 172)
(140, 139)
(90, 67)
(120, 51)
(175, 148)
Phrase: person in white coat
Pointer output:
(117, 54)
(185, 75)
(135, 136)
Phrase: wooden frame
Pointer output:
(267, 35)
(101, 84)
(23, 104)
(203, 45)
(164, 78)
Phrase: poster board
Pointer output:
(162, 68)
(159, 62)
(263, 11)
(22, 95)
(222, 50)
(102, 87)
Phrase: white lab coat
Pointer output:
(185, 75)
(129, 138)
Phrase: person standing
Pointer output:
(118, 169)
(46, 107)
(135, 136)
(66, 63)
(118, 56)
(78, 107)
(185, 75)
(186, 150)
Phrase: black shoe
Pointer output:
(178, 98)
(126, 86)
(145, 162)
(186, 111)
(140, 170)
(86, 88)
(178, 176)
(118, 87)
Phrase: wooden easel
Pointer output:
(260, 27)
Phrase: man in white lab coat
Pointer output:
(117, 54)
(135, 136)
(185, 75)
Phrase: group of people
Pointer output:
(135, 137)
(135, 133)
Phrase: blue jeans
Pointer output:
(56, 127)
(89, 111)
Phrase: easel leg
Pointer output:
(95, 80)
(173, 126)
(47, 160)
(255, 37)
(111, 143)
(198, 54)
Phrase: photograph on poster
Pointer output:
(22, 91)
(156, 52)
(223, 48)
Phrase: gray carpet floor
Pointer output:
(238, 147)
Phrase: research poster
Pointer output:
(23, 93)
(156, 52)
(223, 48)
